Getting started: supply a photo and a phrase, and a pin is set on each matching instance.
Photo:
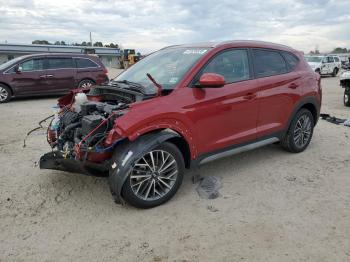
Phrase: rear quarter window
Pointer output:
(85, 63)
(292, 60)
(268, 63)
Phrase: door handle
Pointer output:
(49, 76)
(293, 86)
(249, 96)
(42, 76)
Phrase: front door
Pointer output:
(30, 77)
(226, 116)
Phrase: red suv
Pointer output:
(181, 107)
(44, 74)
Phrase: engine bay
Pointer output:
(78, 130)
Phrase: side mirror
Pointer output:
(18, 69)
(211, 80)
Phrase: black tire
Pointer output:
(289, 142)
(5, 94)
(86, 83)
(335, 72)
(131, 198)
(346, 98)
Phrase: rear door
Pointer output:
(60, 74)
(279, 89)
(31, 79)
(331, 64)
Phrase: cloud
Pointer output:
(150, 25)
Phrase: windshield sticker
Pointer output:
(195, 51)
(173, 80)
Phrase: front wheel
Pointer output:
(346, 98)
(155, 177)
(300, 132)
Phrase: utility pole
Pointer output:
(90, 39)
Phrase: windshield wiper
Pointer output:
(128, 83)
(158, 86)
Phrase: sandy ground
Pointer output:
(274, 206)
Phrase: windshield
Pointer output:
(9, 63)
(314, 59)
(167, 67)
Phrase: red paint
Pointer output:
(211, 80)
(213, 118)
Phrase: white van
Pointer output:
(324, 64)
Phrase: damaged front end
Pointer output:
(83, 132)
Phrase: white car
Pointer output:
(324, 64)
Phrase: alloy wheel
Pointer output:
(154, 175)
(302, 131)
(3, 94)
(86, 84)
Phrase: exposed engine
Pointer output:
(79, 130)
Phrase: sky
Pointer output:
(151, 25)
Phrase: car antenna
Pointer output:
(159, 87)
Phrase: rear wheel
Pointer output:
(346, 97)
(300, 132)
(335, 72)
(5, 94)
(86, 83)
(155, 177)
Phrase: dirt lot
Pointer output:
(274, 206)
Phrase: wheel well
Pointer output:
(86, 79)
(184, 148)
(181, 144)
(312, 109)
(1, 83)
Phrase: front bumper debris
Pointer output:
(56, 161)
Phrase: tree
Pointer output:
(41, 42)
(99, 44)
(111, 45)
(339, 50)
(63, 43)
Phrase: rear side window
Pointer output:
(233, 65)
(85, 63)
(330, 59)
(291, 60)
(268, 63)
(32, 65)
(59, 63)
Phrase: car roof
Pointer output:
(239, 43)
(57, 54)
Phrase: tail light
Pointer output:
(105, 71)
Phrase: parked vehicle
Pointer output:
(43, 74)
(345, 83)
(324, 65)
(181, 107)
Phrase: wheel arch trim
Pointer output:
(130, 151)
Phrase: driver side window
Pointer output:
(233, 65)
(32, 65)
